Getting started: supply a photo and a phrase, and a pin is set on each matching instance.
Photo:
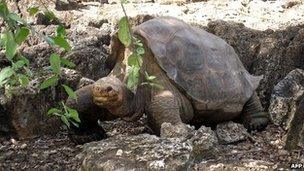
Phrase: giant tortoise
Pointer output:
(202, 77)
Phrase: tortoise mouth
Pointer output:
(105, 95)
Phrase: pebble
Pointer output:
(119, 152)
(23, 146)
(13, 141)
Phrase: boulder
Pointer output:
(90, 61)
(179, 2)
(118, 126)
(286, 108)
(285, 98)
(140, 152)
(61, 5)
(132, 1)
(270, 53)
(230, 132)
(244, 165)
(26, 108)
(295, 136)
(149, 152)
(204, 144)
(180, 131)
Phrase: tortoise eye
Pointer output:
(109, 88)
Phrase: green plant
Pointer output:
(135, 60)
(15, 33)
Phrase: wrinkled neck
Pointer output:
(125, 107)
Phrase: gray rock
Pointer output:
(81, 36)
(204, 143)
(38, 54)
(26, 108)
(285, 97)
(84, 82)
(180, 131)
(243, 165)
(147, 152)
(140, 152)
(90, 61)
(286, 108)
(120, 127)
(294, 138)
(61, 5)
(132, 1)
(230, 132)
(272, 54)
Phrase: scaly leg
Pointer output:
(254, 116)
(164, 107)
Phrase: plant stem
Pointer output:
(128, 23)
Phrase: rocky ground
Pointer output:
(263, 151)
(268, 36)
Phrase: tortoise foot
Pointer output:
(79, 136)
(256, 122)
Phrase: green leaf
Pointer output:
(52, 81)
(25, 60)
(60, 31)
(67, 63)
(23, 80)
(75, 124)
(140, 50)
(16, 18)
(74, 114)
(156, 86)
(21, 34)
(54, 111)
(65, 121)
(151, 78)
(49, 15)
(70, 91)
(60, 41)
(55, 63)
(3, 9)
(4, 74)
(133, 60)
(132, 77)
(10, 45)
(32, 10)
(124, 34)
(18, 64)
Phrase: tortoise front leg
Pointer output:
(254, 116)
(89, 113)
(164, 107)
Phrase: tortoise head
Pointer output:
(108, 92)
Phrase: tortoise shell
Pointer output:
(202, 64)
